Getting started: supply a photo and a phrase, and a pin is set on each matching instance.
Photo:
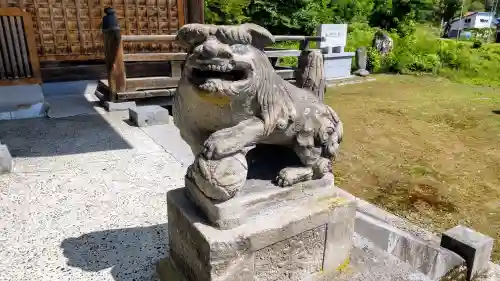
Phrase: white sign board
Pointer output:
(335, 35)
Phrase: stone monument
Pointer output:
(382, 42)
(360, 62)
(258, 201)
(337, 62)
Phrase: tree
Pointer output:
(226, 11)
(290, 16)
(348, 11)
(449, 8)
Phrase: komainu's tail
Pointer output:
(310, 74)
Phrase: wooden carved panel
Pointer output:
(70, 29)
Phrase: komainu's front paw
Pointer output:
(220, 144)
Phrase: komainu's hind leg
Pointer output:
(292, 175)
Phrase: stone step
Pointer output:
(430, 259)
(368, 262)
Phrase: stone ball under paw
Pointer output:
(221, 179)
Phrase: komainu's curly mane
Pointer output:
(272, 93)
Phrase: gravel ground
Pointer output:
(86, 200)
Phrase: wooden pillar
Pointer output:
(176, 68)
(113, 54)
(195, 11)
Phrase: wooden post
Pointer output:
(113, 54)
(311, 73)
(176, 68)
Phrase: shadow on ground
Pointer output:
(496, 112)
(131, 252)
(39, 137)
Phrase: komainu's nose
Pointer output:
(209, 49)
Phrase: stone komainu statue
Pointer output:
(382, 42)
(230, 99)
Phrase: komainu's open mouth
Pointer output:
(203, 71)
(218, 72)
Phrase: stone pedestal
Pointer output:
(5, 160)
(267, 233)
(149, 115)
(338, 65)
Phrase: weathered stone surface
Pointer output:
(473, 246)
(5, 159)
(375, 212)
(119, 106)
(149, 115)
(19, 97)
(311, 73)
(369, 262)
(430, 259)
(338, 65)
(219, 179)
(296, 257)
(366, 262)
(362, 72)
(285, 244)
(230, 98)
(360, 58)
(382, 42)
(258, 198)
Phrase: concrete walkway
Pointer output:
(86, 200)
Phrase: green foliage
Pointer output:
(477, 44)
(447, 10)
(374, 60)
(303, 16)
(287, 61)
(352, 11)
(481, 33)
(423, 52)
(226, 11)
(290, 16)
(417, 46)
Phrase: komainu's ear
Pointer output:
(261, 37)
(190, 35)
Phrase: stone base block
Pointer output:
(119, 106)
(337, 65)
(257, 198)
(5, 160)
(22, 101)
(149, 115)
(433, 261)
(473, 246)
(308, 242)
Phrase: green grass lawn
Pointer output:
(423, 148)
